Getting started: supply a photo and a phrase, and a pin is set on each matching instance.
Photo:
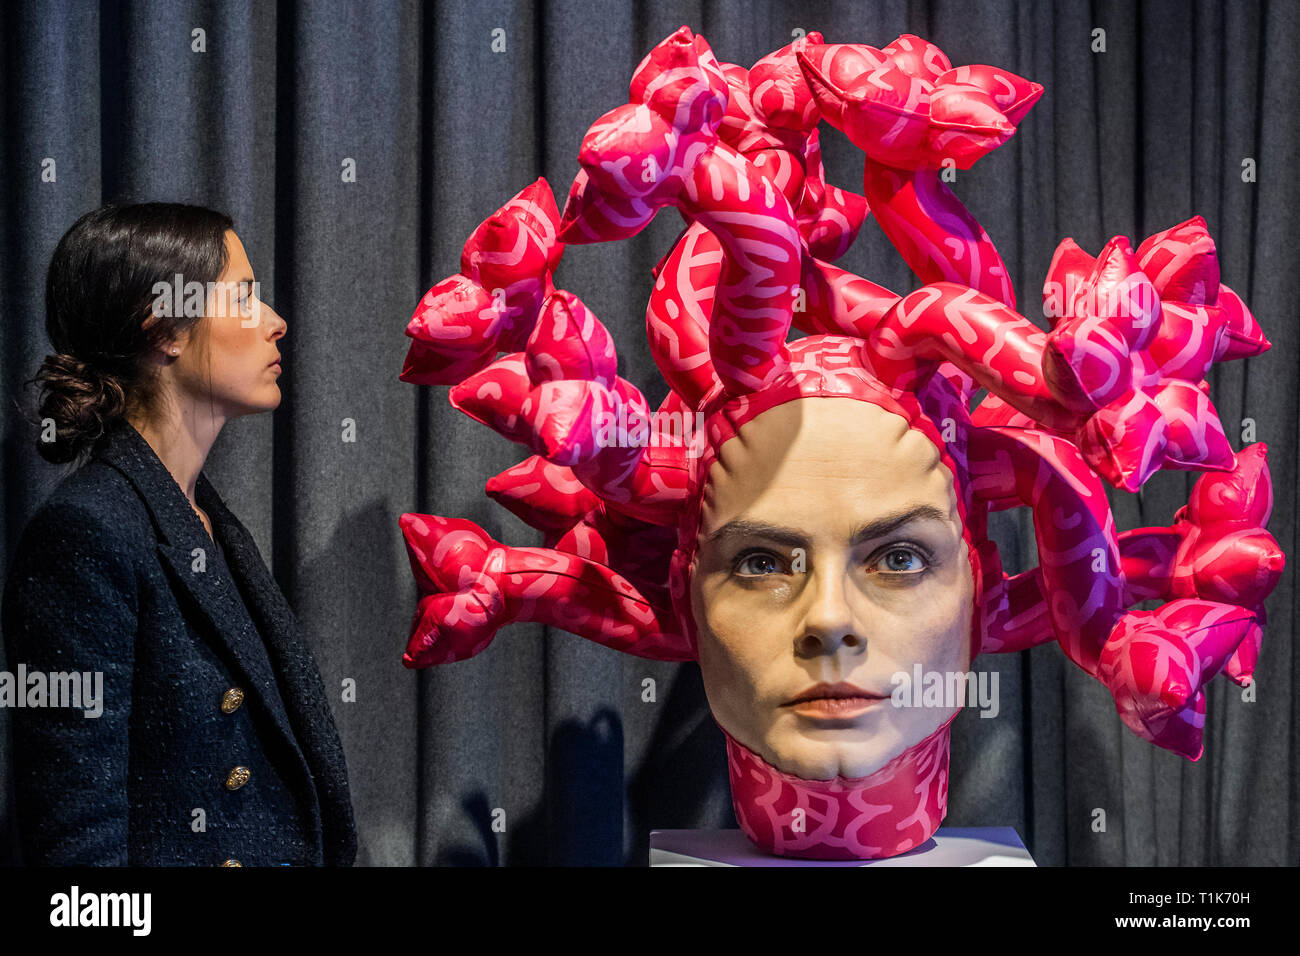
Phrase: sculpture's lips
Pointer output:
(842, 700)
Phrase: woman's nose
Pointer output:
(277, 325)
(828, 622)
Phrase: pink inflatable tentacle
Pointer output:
(760, 274)
(563, 399)
(575, 520)
(829, 217)
(669, 153)
(914, 115)
(1148, 558)
(1134, 334)
(1228, 565)
(677, 316)
(622, 473)
(490, 305)
(594, 215)
(660, 484)
(1154, 663)
(553, 418)
(934, 232)
(637, 157)
(995, 411)
(1227, 554)
(471, 586)
(495, 395)
(1078, 551)
(639, 551)
(777, 152)
(459, 603)
(997, 347)
(1157, 663)
(598, 422)
(837, 302)
(1016, 616)
(544, 495)
(834, 301)
(590, 600)
(772, 120)
(1214, 567)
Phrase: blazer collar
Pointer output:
(176, 522)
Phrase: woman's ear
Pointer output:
(169, 349)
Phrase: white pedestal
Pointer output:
(950, 846)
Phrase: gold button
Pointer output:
(232, 863)
(237, 778)
(231, 700)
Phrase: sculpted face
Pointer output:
(830, 553)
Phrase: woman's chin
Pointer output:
(269, 400)
(264, 400)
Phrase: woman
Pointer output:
(215, 743)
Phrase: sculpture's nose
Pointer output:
(828, 623)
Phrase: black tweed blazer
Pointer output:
(216, 744)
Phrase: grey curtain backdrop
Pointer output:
(544, 726)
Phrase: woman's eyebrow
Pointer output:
(743, 528)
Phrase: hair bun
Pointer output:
(83, 399)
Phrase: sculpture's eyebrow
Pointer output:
(792, 537)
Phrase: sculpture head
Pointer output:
(828, 528)
(824, 550)
(830, 552)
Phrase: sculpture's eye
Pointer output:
(901, 560)
(758, 564)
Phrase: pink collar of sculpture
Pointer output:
(886, 813)
(1114, 392)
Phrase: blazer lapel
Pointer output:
(305, 698)
(230, 626)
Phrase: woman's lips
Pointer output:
(841, 701)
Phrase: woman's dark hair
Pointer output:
(101, 288)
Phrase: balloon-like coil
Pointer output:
(1115, 390)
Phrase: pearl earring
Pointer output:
(175, 351)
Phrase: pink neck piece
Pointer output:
(883, 814)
